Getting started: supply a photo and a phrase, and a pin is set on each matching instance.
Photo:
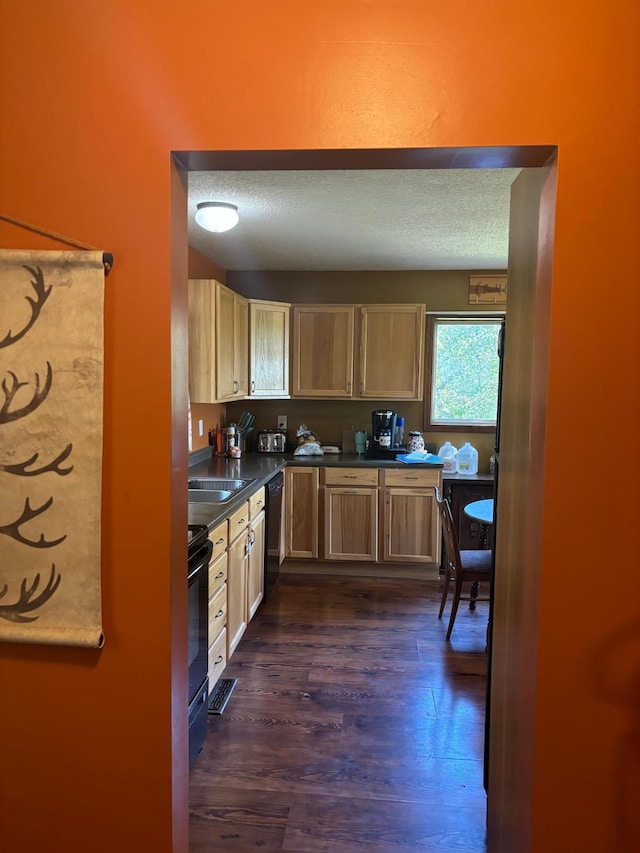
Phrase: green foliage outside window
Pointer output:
(465, 372)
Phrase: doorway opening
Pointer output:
(529, 286)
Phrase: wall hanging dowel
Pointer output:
(107, 257)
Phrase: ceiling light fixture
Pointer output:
(217, 216)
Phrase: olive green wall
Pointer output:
(446, 290)
(440, 290)
(329, 417)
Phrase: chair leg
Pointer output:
(454, 607)
(445, 592)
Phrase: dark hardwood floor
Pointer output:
(353, 725)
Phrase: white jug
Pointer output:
(467, 460)
(448, 455)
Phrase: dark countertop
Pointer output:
(261, 467)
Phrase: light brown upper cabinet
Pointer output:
(268, 349)
(232, 348)
(358, 351)
(202, 367)
(323, 339)
(391, 352)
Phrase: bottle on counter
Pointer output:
(448, 455)
(230, 433)
(467, 460)
(398, 440)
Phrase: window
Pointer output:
(463, 373)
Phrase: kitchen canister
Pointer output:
(467, 460)
(448, 455)
(416, 441)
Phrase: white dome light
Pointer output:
(217, 216)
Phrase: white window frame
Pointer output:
(433, 321)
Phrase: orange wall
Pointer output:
(94, 98)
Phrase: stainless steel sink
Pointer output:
(217, 483)
(214, 489)
(212, 496)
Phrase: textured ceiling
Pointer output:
(357, 220)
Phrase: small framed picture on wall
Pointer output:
(487, 288)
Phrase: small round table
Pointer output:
(481, 511)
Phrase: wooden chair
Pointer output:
(460, 566)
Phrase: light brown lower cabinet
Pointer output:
(411, 524)
(350, 514)
(368, 514)
(246, 566)
(302, 486)
(351, 524)
(217, 622)
(217, 658)
(237, 582)
(255, 564)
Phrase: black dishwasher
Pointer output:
(275, 545)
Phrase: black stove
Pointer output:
(200, 548)
(197, 537)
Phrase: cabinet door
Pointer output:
(411, 529)
(256, 565)
(237, 592)
(351, 524)
(302, 511)
(217, 658)
(391, 352)
(202, 374)
(225, 323)
(217, 613)
(240, 345)
(268, 349)
(323, 350)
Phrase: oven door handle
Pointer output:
(200, 560)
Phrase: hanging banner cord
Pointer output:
(107, 257)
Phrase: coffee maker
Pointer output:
(383, 430)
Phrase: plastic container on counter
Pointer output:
(467, 460)
(448, 455)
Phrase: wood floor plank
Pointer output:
(238, 821)
(353, 725)
(327, 825)
(399, 737)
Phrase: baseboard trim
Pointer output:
(428, 571)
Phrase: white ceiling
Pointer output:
(357, 220)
